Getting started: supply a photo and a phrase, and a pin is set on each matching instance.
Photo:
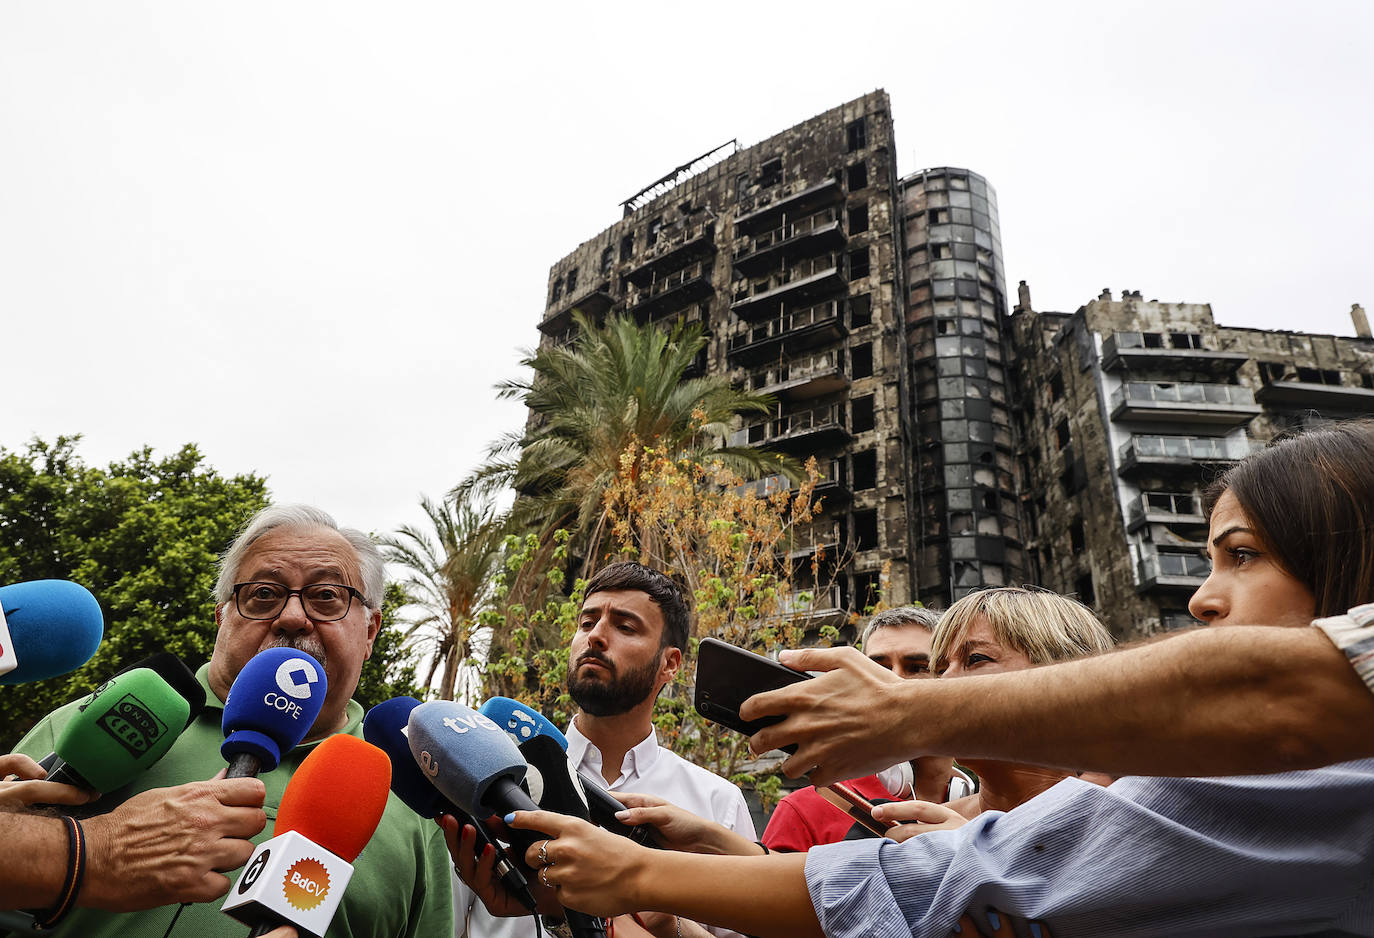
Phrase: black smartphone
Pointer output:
(727, 676)
(845, 797)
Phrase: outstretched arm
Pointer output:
(1217, 701)
(601, 874)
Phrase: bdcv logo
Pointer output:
(132, 724)
(306, 883)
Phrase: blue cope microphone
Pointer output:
(384, 726)
(477, 766)
(272, 704)
(47, 628)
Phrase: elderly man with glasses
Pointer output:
(292, 579)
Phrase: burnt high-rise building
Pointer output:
(961, 445)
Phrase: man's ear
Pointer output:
(374, 628)
(672, 664)
(219, 614)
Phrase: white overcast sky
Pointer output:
(311, 236)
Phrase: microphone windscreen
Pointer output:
(385, 727)
(122, 729)
(181, 679)
(521, 721)
(462, 753)
(54, 627)
(272, 704)
(337, 795)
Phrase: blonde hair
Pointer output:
(1043, 626)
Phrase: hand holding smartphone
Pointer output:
(843, 796)
(727, 676)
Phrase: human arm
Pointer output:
(679, 829)
(602, 874)
(160, 847)
(1217, 701)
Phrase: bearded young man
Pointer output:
(629, 644)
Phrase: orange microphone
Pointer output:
(328, 813)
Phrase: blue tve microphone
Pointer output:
(47, 628)
(522, 722)
(272, 704)
(477, 766)
(384, 726)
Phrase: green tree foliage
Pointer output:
(449, 582)
(615, 387)
(142, 535)
(390, 671)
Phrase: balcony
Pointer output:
(793, 238)
(799, 432)
(763, 209)
(830, 485)
(594, 302)
(789, 333)
(1171, 569)
(671, 292)
(802, 378)
(1179, 454)
(809, 279)
(818, 607)
(1171, 508)
(1323, 398)
(1153, 351)
(1224, 405)
(673, 250)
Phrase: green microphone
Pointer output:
(121, 730)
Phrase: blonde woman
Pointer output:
(993, 630)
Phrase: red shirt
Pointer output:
(804, 819)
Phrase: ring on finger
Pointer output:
(543, 853)
(544, 877)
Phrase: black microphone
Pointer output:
(385, 727)
(477, 766)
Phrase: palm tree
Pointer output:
(448, 579)
(617, 389)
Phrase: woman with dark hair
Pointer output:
(1292, 531)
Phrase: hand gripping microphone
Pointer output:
(385, 727)
(272, 704)
(328, 813)
(478, 767)
(119, 731)
(47, 628)
(526, 725)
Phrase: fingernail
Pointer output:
(1035, 930)
(994, 921)
(958, 928)
(622, 815)
(509, 818)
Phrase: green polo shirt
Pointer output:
(401, 885)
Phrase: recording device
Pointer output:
(477, 766)
(727, 676)
(47, 628)
(845, 797)
(524, 725)
(119, 731)
(272, 704)
(384, 726)
(329, 811)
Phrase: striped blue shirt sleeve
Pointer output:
(1353, 633)
(1281, 854)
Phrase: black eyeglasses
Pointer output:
(323, 602)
